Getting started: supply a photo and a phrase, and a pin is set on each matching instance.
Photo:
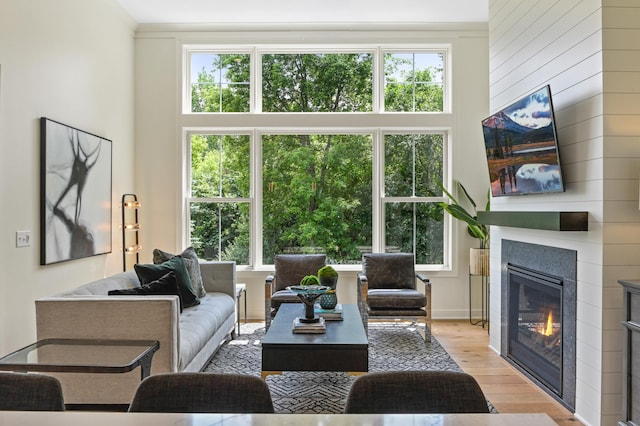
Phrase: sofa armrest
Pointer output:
(219, 277)
(111, 317)
(114, 317)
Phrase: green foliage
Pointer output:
(309, 280)
(408, 89)
(327, 271)
(316, 194)
(317, 82)
(455, 209)
(317, 188)
(226, 88)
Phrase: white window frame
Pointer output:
(253, 123)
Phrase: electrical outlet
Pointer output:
(23, 238)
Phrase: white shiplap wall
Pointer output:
(586, 50)
(621, 152)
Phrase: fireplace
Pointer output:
(538, 324)
(535, 325)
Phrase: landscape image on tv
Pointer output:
(521, 146)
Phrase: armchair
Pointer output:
(416, 392)
(202, 393)
(289, 270)
(30, 392)
(388, 289)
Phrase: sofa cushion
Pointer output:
(165, 285)
(284, 296)
(395, 298)
(199, 323)
(192, 263)
(147, 273)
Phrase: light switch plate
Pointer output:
(23, 238)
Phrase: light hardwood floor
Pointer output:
(507, 389)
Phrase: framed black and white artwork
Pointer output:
(75, 193)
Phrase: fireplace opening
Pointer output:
(535, 332)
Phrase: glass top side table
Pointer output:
(83, 356)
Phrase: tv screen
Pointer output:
(522, 148)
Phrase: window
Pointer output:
(330, 82)
(220, 82)
(413, 165)
(414, 81)
(317, 195)
(321, 184)
(219, 203)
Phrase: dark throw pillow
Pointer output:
(192, 263)
(165, 285)
(147, 273)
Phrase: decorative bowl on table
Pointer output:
(308, 294)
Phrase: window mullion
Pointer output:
(413, 85)
(255, 233)
(378, 221)
(256, 78)
(378, 81)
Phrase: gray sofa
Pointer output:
(187, 339)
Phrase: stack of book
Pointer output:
(309, 327)
(334, 314)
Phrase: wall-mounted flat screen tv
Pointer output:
(522, 147)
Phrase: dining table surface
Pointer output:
(95, 418)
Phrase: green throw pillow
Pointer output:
(165, 285)
(192, 263)
(147, 273)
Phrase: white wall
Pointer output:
(621, 166)
(158, 119)
(71, 61)
(583, 49)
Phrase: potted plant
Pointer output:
(328, 277)
(479, 257)
(309, 280)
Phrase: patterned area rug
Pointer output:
(392, 347)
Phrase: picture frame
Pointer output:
(75, 193)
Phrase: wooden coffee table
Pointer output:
(343, 347)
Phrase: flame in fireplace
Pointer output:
(548, 329)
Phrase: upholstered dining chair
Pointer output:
(416, 392)
(388, 288)
(202, 393)
(30, 392)
(289, 270)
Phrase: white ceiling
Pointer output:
(306, 11)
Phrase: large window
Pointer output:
(320, 185)
(219, 206)
(413, 166)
